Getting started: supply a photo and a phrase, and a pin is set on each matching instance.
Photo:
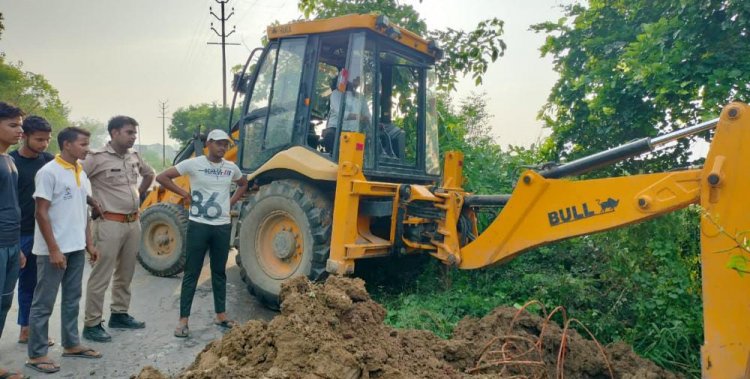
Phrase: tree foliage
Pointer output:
(466, 53)
(32, 93)
(187, 120)
(466, 127)
(634, 68)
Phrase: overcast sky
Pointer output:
(109, 57)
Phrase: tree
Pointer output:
(634, 68)
(186, 120)
(32, 93)
(465, 52)
(629, 69)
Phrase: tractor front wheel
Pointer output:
(285, 232)
(163, 233)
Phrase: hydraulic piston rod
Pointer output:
(619, 153)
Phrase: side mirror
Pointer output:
(239, 83)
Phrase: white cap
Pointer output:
(218, 135)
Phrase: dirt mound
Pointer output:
(334, 330)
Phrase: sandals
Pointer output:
(39, 367)
(182, 331)
(12, 375)
(228, 324)
(87, 353)
(50, 343)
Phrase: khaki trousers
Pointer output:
(118, 244)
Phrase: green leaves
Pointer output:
(637, 68)
(187, 120)
(32, 93)
(739, 263)
(468, 52)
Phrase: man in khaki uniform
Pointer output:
(113, 171)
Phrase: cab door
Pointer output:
(271, 107)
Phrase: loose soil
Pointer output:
(334, 330)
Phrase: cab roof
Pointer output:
(376, 23)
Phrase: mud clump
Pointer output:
(149, 372)
(334, 330)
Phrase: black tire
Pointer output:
(163, 236)
(286, 252)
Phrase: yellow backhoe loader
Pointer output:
(338, 135)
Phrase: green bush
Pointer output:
(640, 285)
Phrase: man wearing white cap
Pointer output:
(211, 177)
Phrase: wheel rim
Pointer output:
(279, 245)
(161, 239)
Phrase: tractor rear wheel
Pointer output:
(285, 232)
(163, 236)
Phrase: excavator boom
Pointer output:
(542, 210)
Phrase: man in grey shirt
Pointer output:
(11, 119)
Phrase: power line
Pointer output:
(223, 35)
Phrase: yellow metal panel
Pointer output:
(346, 203)
(301, 160)
(453, 170)
(161, 195)
(354, 21)
(726, 292)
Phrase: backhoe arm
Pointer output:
(542, 210)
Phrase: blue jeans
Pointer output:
(26, 280)
(9, 262)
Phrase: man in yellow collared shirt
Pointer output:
(61, 239)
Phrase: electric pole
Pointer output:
(163, 106)
(223, 35)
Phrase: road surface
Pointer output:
(156, 301)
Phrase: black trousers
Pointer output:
(200, 238)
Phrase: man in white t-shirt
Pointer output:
(61, 239)
(211, 178)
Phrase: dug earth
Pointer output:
(335, 330)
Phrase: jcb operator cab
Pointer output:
(354, 73)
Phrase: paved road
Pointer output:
(156, 301)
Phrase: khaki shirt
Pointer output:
(114, 178)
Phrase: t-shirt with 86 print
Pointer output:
(210, 185)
